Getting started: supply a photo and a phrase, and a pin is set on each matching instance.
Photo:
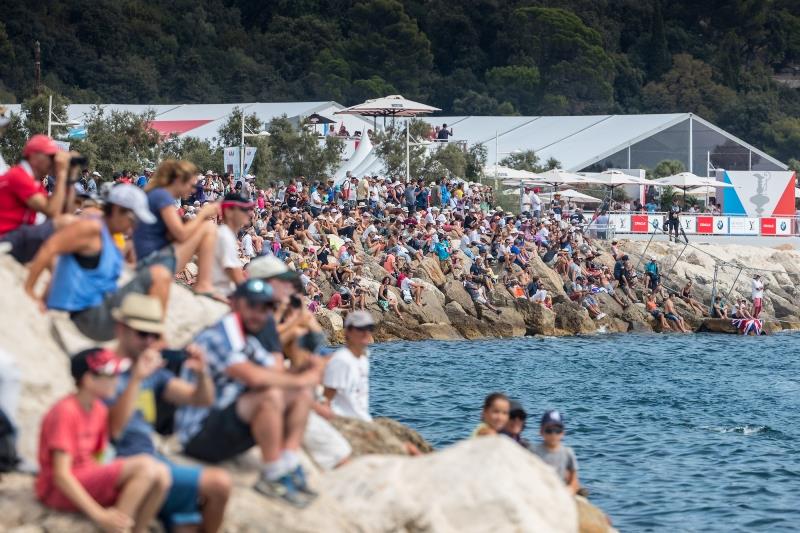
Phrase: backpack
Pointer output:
(8, 448)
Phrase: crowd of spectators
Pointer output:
(276, 255)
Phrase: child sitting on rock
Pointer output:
(123, 495)
(495, 415)
(552, 452)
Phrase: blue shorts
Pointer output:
(181, 508)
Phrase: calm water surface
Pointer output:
(672, 433)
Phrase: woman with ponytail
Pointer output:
(171, 241)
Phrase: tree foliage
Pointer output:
(715, 59)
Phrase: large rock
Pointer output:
(508, 323)
(479, 485)
(404, 433)
(332, 324)
(539, 320)
(455, 292)
(486, 484)
(550, 278)
(573, 318)
(429, 270)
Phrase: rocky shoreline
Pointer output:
(487, 484)
(448, 313)
(382, 489)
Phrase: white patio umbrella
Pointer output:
(556, 176)
(501, 172)
(575, 196)
(687, 180)
(393, 105)
(389, 106)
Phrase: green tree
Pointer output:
(516, 84)
(119, 140)
(296, 152)
(668, 167)
(689, 86)
(659, 59)
(383, 41)
(13, 139)
(35, 110)
(230, 134)
(528, 160)
(390, 146)
(199, 151)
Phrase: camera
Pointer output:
(78, 161)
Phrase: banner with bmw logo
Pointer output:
(783, 226)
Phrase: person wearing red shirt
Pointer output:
(123, 495)
(22, 196)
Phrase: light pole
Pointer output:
(262, 133)
(57, 121)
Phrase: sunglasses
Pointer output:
(553, 431)
(144, 335)
(365, 328)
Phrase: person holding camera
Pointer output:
(23, 197)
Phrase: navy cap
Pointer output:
(517, 411)
(552, 418)
(255, 290)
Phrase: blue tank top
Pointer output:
(74, 288)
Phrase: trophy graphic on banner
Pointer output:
(759, 200)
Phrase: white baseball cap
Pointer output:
(133, 198)
(269, 267)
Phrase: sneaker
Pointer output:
(282, 488)
(299, 479)
(601, 315)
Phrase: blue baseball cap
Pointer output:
(552, 418)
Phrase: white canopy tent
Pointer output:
(361, 154)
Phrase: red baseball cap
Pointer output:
(40, 144)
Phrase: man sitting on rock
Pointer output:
(257, 402)
(132, 413)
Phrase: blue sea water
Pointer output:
(672, 432)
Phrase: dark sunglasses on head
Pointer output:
(553, 430)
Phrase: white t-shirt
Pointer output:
(758, 289)
(536, 202)
(247, 246)
(226, 255)
(349, 376)
(316, 199)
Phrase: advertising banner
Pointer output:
(720, 226)
(705, 224)
(621, 223)
(654, 223)
(689, 224)
(759, 193)
(783, 226)
(743, 226)
(768, 226)
(639, 223)
(230, 159)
